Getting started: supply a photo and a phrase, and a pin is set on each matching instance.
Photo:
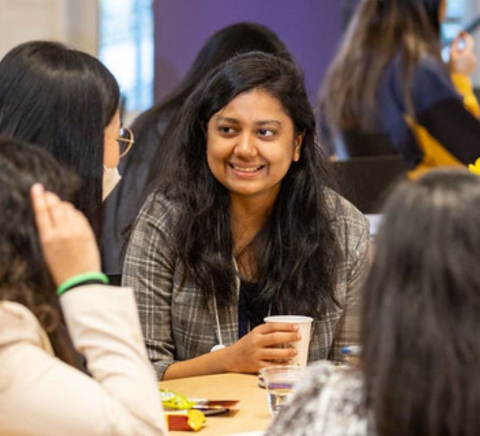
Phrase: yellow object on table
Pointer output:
(475, 169)
(252, 412)
(187, 420)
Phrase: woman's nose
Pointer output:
(246, 146)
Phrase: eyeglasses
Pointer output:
(125, 141)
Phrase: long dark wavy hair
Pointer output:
(61, 99)
(379, 30)
(151, 126)
(420, 317)
(296, 251)
(24, 276)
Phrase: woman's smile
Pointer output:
(246, 170)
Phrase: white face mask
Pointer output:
(111, 177)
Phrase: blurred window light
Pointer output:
(456, 18)
(127, 48)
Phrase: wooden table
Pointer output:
(253, 413)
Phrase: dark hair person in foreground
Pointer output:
(40, 394)
(150, 154)
(66, 102)
(420, 325)
(244, 225)
(388, 89)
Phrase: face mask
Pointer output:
(111, 177)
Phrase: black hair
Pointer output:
(24, 276)
(295, 251)
(61, 99)
(420, 322)
(432, 9)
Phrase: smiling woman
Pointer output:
(251, 144)
(243, 225)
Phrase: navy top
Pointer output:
(438, 107)
(250, 312)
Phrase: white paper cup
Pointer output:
(305, 326)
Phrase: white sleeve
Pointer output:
(51, 398)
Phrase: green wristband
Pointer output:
(80, 278)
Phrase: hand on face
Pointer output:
(67, 240)
(257, 350)
(462, 57)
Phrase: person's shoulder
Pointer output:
(431, 83)
(318, 374)
(12, 312)
(352, 230)
(19, 324)
(327, 400)
(338, 392)
(432, 65)
(428, 67)
(343, 386)
(325, 372)
(432, 73)
(159, 210)
(157, 203)
(345, 216)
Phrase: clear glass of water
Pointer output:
(279, 382)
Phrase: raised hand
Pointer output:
(462, 57)
(67, 240)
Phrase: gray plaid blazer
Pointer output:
(177, 321)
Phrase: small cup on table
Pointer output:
(279, 382)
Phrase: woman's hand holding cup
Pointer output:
(260, 347)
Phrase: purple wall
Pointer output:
(311, 30)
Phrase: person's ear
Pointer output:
(298, 146)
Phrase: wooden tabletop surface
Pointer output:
(252, 412)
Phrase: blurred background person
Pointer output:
(388, 90)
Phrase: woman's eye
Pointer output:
(266, 132)
(226, 130)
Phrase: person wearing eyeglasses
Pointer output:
(67, 102)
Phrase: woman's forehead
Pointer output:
(256, 100)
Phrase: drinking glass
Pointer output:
(279, 382)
